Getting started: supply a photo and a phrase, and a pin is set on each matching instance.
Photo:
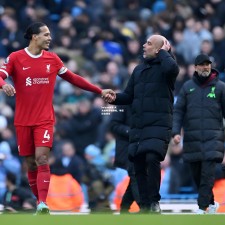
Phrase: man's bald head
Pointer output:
(158, 40)
(153, 45)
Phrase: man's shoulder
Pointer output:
(188, 82)
(18, 53)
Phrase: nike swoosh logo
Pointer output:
(26, 68)
(46, 181)
(45, 141)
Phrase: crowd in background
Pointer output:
(102, 41)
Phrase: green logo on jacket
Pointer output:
(212, 93)
(192, 89)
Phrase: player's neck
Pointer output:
(34, 50)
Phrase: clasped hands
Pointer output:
(108, 95)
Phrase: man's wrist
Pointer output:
(2, 82)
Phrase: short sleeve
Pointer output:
(60, 65)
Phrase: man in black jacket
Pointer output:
(150, 93)
(120, 127)
(200, 109)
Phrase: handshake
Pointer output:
(108, 95)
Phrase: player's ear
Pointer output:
(34, 36)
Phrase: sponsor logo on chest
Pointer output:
(38, 80)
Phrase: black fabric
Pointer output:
(202, 58)
(150, 92)
(148, 180)
(200, 111)
(119, 126)
(200, 79)
(204, 177)
(131, 194)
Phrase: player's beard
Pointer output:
(205, 73)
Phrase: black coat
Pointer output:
(150, 93)
(120, 127)
(200, 111)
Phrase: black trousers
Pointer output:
(131, 194)
(204, 176)
(148, 176)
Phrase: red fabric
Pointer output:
(80, 82)
(210, 78)
(32, 179)
(30, 136)
(34, 80)
(2, 82)
(43, 180)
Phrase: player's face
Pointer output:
(43, 39)
(204, 69)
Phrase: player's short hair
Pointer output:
(34, 28)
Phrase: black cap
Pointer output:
(200, 59)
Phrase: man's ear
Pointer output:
(34, 36)
(157, 51)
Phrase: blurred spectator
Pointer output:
(15, 196)
(96, 179)
(11, 37)
(65, 193)
(120, 128)
(8, 163)
(71, 162)
(170, 182)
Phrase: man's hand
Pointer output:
(108, 95)
(166, 45)
(9, 89)
(177, 139)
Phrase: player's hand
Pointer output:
(9, 89)
(108, 95)
(177, 139)
(166, 45)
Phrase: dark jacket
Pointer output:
(150, 92)
(119, 126)
(200, 111)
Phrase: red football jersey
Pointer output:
(34, 79)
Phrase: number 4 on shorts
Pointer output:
(47, 135)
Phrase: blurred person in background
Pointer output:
(15, 195)
(119, 125)
(97, 179)
(65, 193)
(34, 72)
(8, 163)
(200, 109)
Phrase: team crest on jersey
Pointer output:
(48, 68)
(6, 60)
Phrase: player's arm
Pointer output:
(84, 84)
(7, 88)
(2, 78)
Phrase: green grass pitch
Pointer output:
(101, 219)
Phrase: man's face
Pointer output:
(43, 39)
(203, 69)
(150, 48)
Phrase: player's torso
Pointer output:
(33, 75)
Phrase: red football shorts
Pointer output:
(30, 137)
